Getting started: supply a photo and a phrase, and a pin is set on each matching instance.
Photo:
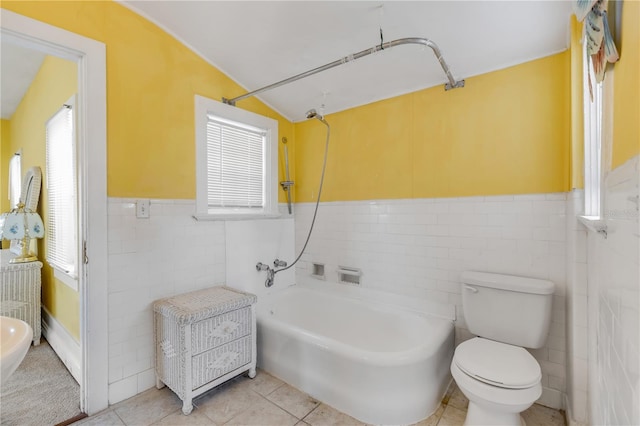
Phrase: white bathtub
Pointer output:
(378, 364)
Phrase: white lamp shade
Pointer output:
(2, 218)
(17, 225)
(35, 225)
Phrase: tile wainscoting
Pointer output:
(415, 248)
(170, 253)
(614, 303)
(577, 312)
(419, 247)
(149, 259)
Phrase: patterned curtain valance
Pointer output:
(597, 35)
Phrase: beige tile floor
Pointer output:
(266, 400)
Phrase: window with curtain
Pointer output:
(62, 228)
(236, 162)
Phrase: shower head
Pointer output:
(312, 113)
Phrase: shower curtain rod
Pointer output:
(452, 84)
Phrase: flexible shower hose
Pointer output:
(315, 212)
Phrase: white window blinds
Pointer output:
(593, 98)
(61, 190)
(235, 165)
(15, 180)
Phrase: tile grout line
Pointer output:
(314, 409)
(118, 416)
(276, 405)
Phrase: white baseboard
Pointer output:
(65, 346)
(551, 398)
(569, 414)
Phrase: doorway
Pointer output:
(92, 196)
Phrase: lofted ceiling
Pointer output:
(18, 67)
(262, 42)
(259, 43)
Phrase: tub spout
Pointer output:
(270, 276)
(270, 273)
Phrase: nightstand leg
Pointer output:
(252, 373)
(187, 407)
(159, 383)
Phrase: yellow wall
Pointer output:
(626, 94)
(506, 132)
(152, 80)
(626, 100)
(577, 106)
(5, 155)
(151, 83)
(513, 131)
(55, 83)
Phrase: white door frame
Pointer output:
(92, 172)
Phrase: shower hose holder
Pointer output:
(286, 184)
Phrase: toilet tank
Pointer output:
(507, 308)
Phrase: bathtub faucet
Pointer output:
(270, 273)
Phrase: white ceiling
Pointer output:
(18, 67)
(259, 43)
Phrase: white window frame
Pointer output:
(593, 142)
(68, 276)
(204, 107)
(15, 179)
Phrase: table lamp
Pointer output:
(21, 224)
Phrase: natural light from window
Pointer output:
(236, 162)
(592, 141)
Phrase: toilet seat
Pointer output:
(497, 364)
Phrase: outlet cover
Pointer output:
(142, 208)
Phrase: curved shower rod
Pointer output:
(452, 84)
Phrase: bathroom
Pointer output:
(419, 187)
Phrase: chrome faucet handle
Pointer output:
(279, 263)
(271, 273)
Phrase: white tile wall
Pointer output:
(577, 325)
(253, 241)
(419, 247)
(413, 248)
(614, 300)
(163, 255)
(171, 253)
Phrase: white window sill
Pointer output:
(65, 278)
(239, 216)
(594, 224)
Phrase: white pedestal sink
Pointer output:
(15, 339)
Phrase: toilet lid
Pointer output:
(497, 363)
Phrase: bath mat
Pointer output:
(40, 392)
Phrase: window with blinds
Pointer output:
(15, 180)
(61, 226)
(236, 162)
(593, 98)
(235, 165)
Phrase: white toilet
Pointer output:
(494, 371)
